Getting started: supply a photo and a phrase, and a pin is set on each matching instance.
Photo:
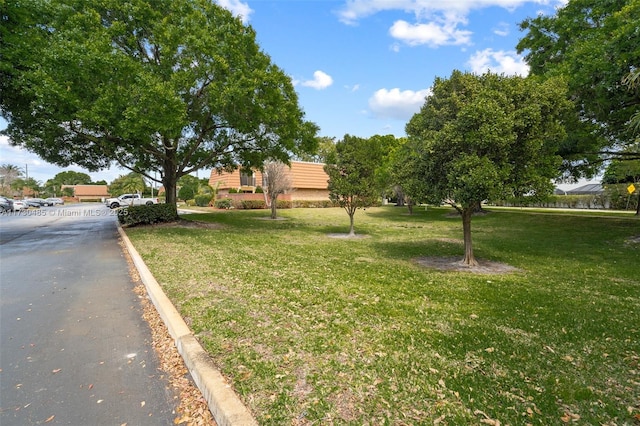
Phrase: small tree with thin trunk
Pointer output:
(277, 182)
(353, 182)
(486, 137)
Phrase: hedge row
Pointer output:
(228, 203)
(147, 215)
(559, 201)
(615, 197)
(305, 204)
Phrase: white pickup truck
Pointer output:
(125, 200)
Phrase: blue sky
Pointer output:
(364, 67)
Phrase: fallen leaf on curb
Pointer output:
(57, 370)
(49, 419)
(192, 409)
(142, 404)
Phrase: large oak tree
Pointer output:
(168, 86)
(595, 46)
(486, 137)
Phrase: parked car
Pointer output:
(55, 201)
(19, 205)
(129, 200)
(37, 202)
(6, 205)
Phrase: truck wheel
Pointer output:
(149, 203)
(114, 205)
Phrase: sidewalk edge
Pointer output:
(224, 404)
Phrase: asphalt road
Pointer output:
(74, 348)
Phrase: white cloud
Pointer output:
(437, 22)
(354, 10)
(498, 62)
(238, 8)
(502, 29)
(433, 34)
(321, 80)
(396, 104)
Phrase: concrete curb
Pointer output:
(224, 404)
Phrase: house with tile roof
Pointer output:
(89, 192)
(309, 182)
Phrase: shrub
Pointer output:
(233, 190)
(190, 203)
(284, 204)
(558, 201)
(225, 203)
(147, 215)
(203, 200)
(259, 190)
(620, 198)
(186, 193)
(313, 203)
(253, 204)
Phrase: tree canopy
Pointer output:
(485, 137)
(353, 181)
(595, 45)
(130, 183)
(168, 87)
(409, 186)
(8, 175)
(325, 152)
(54, 185)
(71, 177)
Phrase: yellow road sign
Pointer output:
(631, 188)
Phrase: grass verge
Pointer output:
(318, 330)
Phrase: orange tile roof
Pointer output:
(90, 190)
(304, 175)
(308, 175)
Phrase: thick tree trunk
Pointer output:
(469, 258)
(170, 181)
(170, 184)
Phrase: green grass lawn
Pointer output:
(319, 330)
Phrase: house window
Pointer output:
(247, 179)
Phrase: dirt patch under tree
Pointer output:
(455, 264)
